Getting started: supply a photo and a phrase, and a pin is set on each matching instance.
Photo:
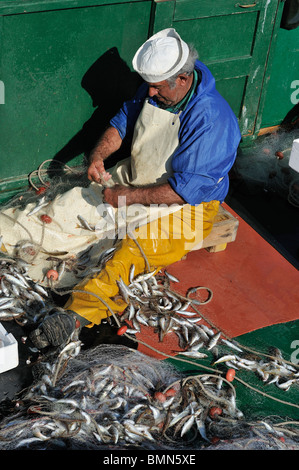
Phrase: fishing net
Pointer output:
(116, 396)
(66, 227)
(38, 229)
(52, 178)
(265, 166)
(113, 397)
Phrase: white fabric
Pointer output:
(161, 56)
(155, 139)
(154, 142)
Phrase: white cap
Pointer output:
(161, 56)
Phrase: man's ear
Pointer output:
(182, 79)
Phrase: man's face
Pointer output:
(166, 95)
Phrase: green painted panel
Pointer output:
(234, 40)
(27, 6)
(163, 15)
(231, 41)
(282, 79)
(229, 68)
(189, 9)
(65, 73)
(232, 90)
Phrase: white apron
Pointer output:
(154, 142)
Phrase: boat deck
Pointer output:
(255, 300)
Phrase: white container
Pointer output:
(9, 356)
(294, 157)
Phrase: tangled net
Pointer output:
(115, 397)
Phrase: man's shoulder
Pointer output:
(207, 106)
(206, 80)
(206, 93)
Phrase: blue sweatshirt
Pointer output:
(209, 136)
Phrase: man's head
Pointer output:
(166, 63)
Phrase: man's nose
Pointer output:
(152, 91)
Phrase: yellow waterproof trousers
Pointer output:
(163, 241)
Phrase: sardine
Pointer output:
(228, 357)
(171, 276)
(144, 276)
(85, 224)
(15, 280)
(194, 354)
(131, 274)
(231, 344)
(188, 425)
(42, 203)
(213, 341)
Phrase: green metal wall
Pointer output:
(234, 40)
(65, 68)
(281, 89)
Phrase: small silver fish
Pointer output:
(227, 357)
(42, 203)
(4, 300)
(213, 341)
(131, 275)
(285, 385)
(186, 313)
(40, 289)
(171, 276)
(85, 224)
(15, 280)
(188, 425)
(8, 304)
(231, 345)
(144, 276)
(194, 354)
(61, 269)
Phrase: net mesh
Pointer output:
(115, 397)
(111, 396)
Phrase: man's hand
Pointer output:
(109, 143)
(96, 172)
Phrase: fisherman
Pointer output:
(184, 142)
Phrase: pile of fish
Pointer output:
(115, 396)
(23, 299)
(152, 303)
(20, 297)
